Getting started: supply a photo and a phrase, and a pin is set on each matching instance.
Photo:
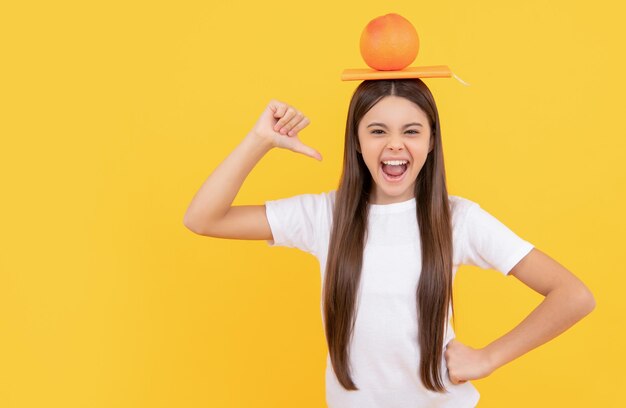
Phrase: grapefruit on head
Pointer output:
(389, 43)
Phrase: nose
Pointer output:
(395, 144)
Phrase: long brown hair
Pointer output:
(345, 256)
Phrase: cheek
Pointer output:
(419, 155)
(371, 153)
(420, 150)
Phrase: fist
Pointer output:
(466, 363)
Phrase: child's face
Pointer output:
(394, 141)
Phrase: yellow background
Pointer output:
(114, 113)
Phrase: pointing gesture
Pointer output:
(280, 123)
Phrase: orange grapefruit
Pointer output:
(389, 43)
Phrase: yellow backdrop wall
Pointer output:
(114, 113)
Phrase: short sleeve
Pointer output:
(297, 221)
(489, 244)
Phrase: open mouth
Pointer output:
(393, 173)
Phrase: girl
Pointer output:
(389, 240)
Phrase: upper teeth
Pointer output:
(395, 162)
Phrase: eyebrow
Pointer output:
(403, 127)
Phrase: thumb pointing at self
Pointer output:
(294, 144)
(281, 123)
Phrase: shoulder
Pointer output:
(456, 200)
(322, 200)
(307, 199)
(460, 214)
(315, 207)
(459, 207)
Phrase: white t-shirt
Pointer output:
(384, 353)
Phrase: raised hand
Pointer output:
(279, 124)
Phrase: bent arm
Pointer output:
(567, 300)
(214, 199)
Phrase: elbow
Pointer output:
(591, 303)
(187, 224)
(578, 297)
(586, 301)
(190, 225)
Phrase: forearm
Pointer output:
(559, 310)
(218, 192)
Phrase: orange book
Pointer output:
(434, 71)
